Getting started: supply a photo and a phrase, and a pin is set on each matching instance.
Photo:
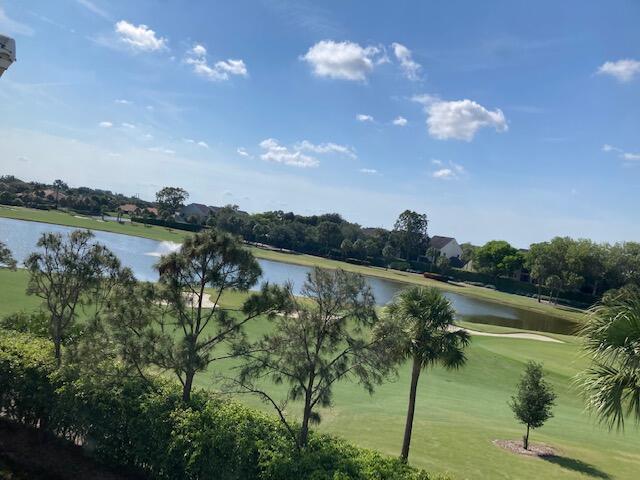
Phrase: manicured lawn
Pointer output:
(458, 413)
(166, 234)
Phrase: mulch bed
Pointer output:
(535, 449)
(25, 455)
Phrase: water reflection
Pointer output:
(140, 254)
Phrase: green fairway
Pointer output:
(458, 413)
(167, 234)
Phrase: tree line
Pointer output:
(95, 312)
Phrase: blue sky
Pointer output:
(506, 119)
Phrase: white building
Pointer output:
(447, 246)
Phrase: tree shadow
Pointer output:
(576, 465)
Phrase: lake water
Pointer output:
(140, 254)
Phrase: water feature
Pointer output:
(140, 254)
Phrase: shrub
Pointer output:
(143, 425)
(399, 265)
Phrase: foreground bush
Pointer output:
(143, 425)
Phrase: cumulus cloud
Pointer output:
(122, 101)
(451, 172)
(361, 117)
(219, 71)
(410, 68)
(622, 70)
(459, 119)
(203, 144)
(128, 125)
(326, 148)
(368, 171)
(400, 121)
(139, 37)
(343, 60)
(105, 124)
(274, 152)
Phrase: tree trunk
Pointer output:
(525, 439)
(304, 430)
(58, 351)
(415, 375)
(539, 290)
(188, 385)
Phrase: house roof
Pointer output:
(439, 242)
(128, 208)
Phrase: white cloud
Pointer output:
(368, 171)
(410, 68)
(243, 152)
(459, 119)
(400, 121)
(203, 144)
(628, 156)
(274, 152)
(189, 140)
(166, 151)
(329, 147)
(452, 171)
(343, 60)
(128, 125)
(139, 37)
(105, 124)
(122, 101)
(361, 117)
(622, 70)
(221, 70)
(9, 25)
(94, 8)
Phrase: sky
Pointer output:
(510, 119)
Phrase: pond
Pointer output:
(140, 254)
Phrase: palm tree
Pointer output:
(424, 318)
(612, 339)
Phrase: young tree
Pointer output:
(533, 401)
(611, 336)
(421, 320)
(69, 274)
(179, 325)
(6, 258)
(346, 247)
(322, 339)
(411, 228)
(170, 200)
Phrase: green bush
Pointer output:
(399, 265)
(142, 425)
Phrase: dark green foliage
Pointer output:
(170, 200)
(143, 425)
(6, 258)
(611, 384)
(35, 323)
(496, 258)
(533, 401)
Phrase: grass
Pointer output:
(458, 413)
(167, 234)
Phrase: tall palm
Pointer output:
(612, 339)
(424, 318)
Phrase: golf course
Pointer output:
(459, 413)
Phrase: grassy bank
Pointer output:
(458, 413)
(172, 235)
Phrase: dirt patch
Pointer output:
(535, 449)
(25, 455)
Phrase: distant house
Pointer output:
(198, 211)
(128, 208)
(447, 246)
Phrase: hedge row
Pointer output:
(143, 426)
(189, 227)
